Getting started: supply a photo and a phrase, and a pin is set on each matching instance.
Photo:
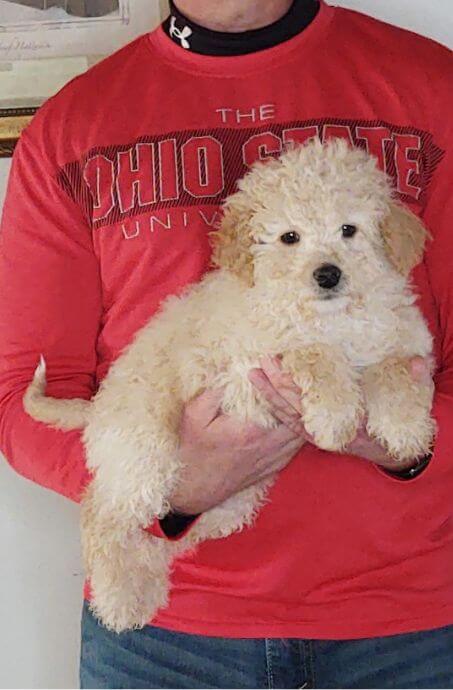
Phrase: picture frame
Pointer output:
(46, 43)
(12, 122)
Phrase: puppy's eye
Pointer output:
(290, 237)
(348, 230)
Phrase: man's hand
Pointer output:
(285, 398)
(221, 456)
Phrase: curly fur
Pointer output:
(348, 351)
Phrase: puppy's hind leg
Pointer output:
(127, 568)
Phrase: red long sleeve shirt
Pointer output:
(113, 190)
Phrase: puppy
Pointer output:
(313, 258)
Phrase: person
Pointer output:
(345, 579)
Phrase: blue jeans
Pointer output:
(157, 658)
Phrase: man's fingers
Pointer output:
(282, 435)
(421, 370)
(204, 408)
(281, 408)
(282, 382)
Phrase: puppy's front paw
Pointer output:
(332, 429)
(399, 409)
(332, 401)
(406, 431)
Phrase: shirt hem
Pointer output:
(307, 630)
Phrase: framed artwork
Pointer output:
(45, 43)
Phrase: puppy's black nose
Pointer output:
(327, 276)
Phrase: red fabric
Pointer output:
(156, 530)
(114, 189)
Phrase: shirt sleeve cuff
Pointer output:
(411, 472)
(173, 527)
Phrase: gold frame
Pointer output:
(12, 122)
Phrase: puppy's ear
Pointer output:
(404, 238)
(232, 241)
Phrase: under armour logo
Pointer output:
(181, 35)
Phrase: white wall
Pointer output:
(4, 171)
(40, 578)
(433, 18)
(41, 586)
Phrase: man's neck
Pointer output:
(233, 15)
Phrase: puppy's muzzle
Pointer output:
(327, 276)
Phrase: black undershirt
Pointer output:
(198, 39)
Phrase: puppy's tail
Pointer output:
(59, 413)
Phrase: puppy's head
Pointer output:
(320, 221)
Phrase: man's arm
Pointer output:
(439, 263)
(50, 303)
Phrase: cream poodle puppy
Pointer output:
(313, 258)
